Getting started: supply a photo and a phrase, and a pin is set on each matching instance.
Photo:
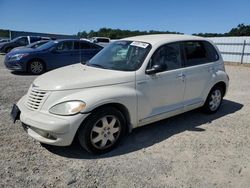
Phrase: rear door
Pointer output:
(199, 69)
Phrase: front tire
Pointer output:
(102, 130)
(36, 67)
(214, 100)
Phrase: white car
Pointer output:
(130, 83)
(102, 41)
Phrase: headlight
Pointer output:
(17, 56)
(67, 108)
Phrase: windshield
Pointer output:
(16, 39)
(36, 44)
(121, 55)
(47, 45)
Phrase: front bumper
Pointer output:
(14, 65)
(48, 128)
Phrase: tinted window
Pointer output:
(82, 45)
(211, 51)
(94, 46)
(102, 40)
(65, 46)
(34, 39)
(195, 53)
(169, 55)
(23, 41)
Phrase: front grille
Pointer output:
(35, 98)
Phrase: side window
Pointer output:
(195, 53)
(23, 41)
(34, 39)
(169, 55)
(76, 45)
(211, 51)
(102, 40)
(65, 46)
(85, 45)
(94, 46)
(82, 46)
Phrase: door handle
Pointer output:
(211, 69)
(181, 76)
(141, 82)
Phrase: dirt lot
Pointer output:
(190, 150)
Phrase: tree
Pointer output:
(240, 30)
(117, 33)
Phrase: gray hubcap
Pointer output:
(215, 100)
(105, 132)
(36, 67)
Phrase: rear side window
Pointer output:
(65, 46)
(211, 51)
(23, 41)
(34, 39)
(102, 40)
(82, 45)
(94, 46)
(199, 52)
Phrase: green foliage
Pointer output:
(4, 33)
(240, 30)
(118, 33)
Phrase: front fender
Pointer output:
(123, 94)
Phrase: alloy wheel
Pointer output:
(215, 100)
(36, 67)
(105, 132)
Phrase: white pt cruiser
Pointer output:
(130, 83)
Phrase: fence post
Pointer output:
(243, 52)
(10, 37)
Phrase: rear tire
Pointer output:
(214, 100)
(102, 130)
(36, 67)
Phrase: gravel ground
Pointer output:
(190, 150)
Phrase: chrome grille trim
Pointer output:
(35, 98)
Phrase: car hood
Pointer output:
(80, 76)
(18, 48)
(3, 43)
(21, 50)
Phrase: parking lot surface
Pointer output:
(190, 150)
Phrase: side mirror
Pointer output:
(156, 68)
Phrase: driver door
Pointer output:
(62, 55)
(161, 93)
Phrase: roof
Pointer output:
(163, 38)
(59, 40)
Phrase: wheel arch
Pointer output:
(222, 85)
(38, 59)
(123, 109)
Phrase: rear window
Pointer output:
(34, 39)
(82, 45)
(199, 52)
(102, 40)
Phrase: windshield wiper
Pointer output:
(96, 65)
